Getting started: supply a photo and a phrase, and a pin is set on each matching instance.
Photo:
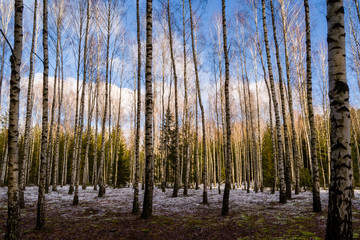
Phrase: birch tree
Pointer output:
(135, 209)
(225, 205)
(339, 221)
(29, 107)
(205, 199)
(149, 158)
(13, 221)
(276, 109)
(315, 166)
(40, 217)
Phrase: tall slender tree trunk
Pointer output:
(253, 138)
(205, 200)
(65, 158)
(82, 106)
(13, 221)
(29, 107)
(218, 157)
(176, 133)
(259, 152)
(60, 97)
(95, 176)
(273, 141)
(91, 104)
(149, 158)
(196, 155)
(118, 127)
(225, 204)
(290, 101)
(102, 151)
(187, 126)
(76, 135)
(135, 209)
(110, 151)
(49, 155)
(164, 147)
(40, 217)
(246, 138)
(57, 140)
(339, 221)
(276, 108)
(283, 103)
(315, 166)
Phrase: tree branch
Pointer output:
(7, 41)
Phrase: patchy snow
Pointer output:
(120, 200)
(254, 215)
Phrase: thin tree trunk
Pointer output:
(29, 107)
(276, 108)
(149, 160)
(135, 209)
(57, 144)
(95, 167)
(176, 133)
(196, 145)
(40, 217)
(164, 147)
(76, 135)
(64, 169)
(205, 200)
(187, 122)
(118, 138)
(315, 166)
(49, 155)
(82, 106)
(91, 104)
(282, 98)
(110, 142)
(218, 143)
(290, 101)
(102, 151)
(225, 204)
(270, 108)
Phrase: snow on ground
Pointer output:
(120, 200)
(252, 215)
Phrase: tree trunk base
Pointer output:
(101, 191)
(185, 192)
(205, 198)
(21, 199)
(76, 200)
(13, 223)
(175, 192)
(71, 190)
(135, 210)
(283, 198)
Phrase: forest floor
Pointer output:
(252, 216)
